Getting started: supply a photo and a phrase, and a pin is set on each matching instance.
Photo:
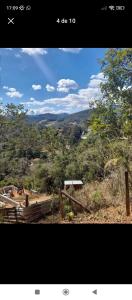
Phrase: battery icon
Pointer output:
(120, 7)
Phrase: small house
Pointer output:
(77, 184)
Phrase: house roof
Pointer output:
(72, 182)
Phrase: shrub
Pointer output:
(67, 208)
(97, 200)
(70, 216)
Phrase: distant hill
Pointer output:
(48, 117)
(78, 117)
(60, 120)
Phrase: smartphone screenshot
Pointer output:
(65, 119)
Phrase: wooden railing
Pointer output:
(27, 214)
(71, 198)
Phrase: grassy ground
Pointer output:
(105, 200)
(103, 216)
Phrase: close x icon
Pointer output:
(11, 21)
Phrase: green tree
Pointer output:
(117, 90)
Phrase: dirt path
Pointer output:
(40, 198)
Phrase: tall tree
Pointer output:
(117, 90)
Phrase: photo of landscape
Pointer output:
(65, 135)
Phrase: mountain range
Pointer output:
(62, 119)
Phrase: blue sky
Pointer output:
(51, 80)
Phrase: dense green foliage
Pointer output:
(42, 158)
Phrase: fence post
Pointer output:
(62, 206)
(127, 194)
(27, 202)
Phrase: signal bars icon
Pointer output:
(104, 8)
(111, 7)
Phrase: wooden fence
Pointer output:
(128, 205)
(28, 214)
(72, 200)
(128, 199)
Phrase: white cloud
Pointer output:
(34, 51)
(98, 76)
(36, 87)
(5, 87)
(65, 85)
(44, 110)
(95, 83)
(11, 89)
(17, 55)
(10, 49)
(12, 92)
(50, 88)
(1, 98)
(72, 102)
(33, 102)
(15, 94)
(71, 50)
(89, 94)
(96, 80)
(69, 104)
(93, 90)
